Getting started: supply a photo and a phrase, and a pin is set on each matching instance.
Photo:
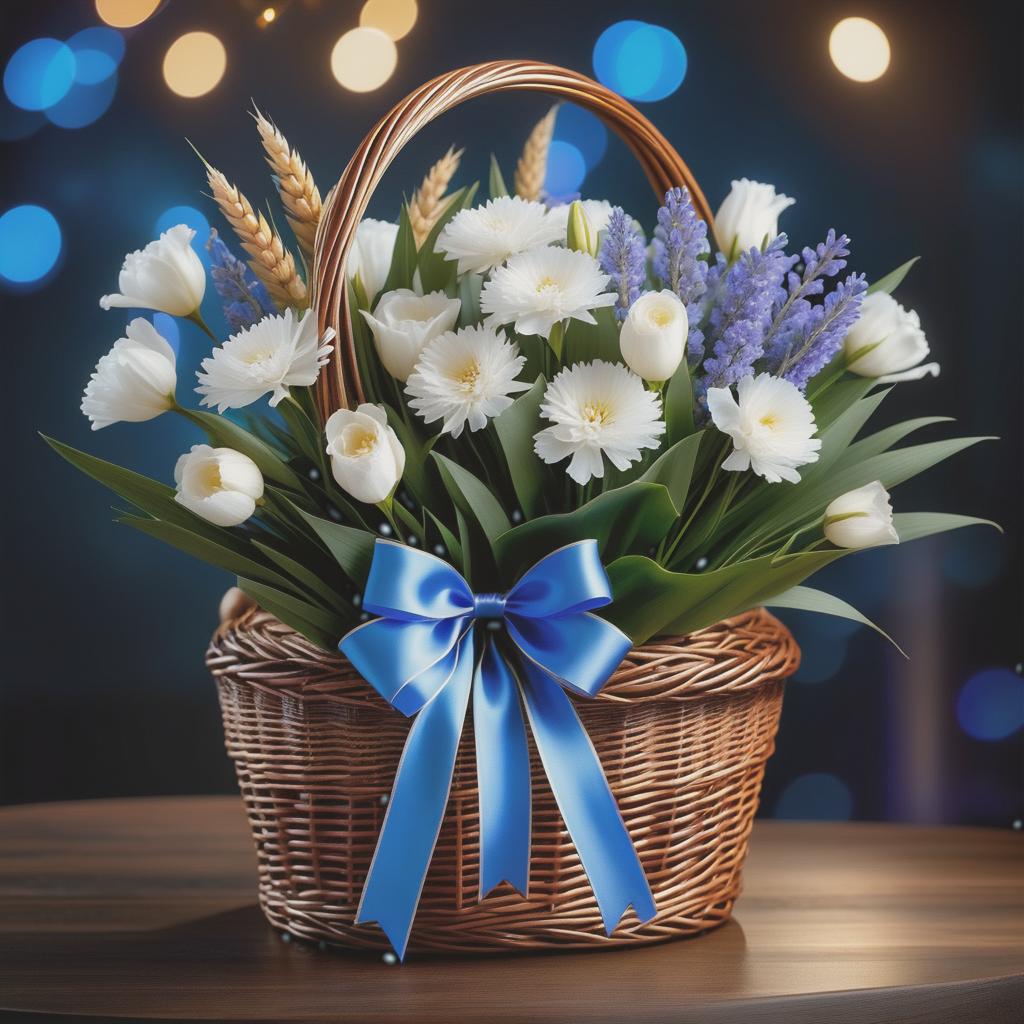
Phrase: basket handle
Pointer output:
(339, 384)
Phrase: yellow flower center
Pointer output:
(661, 317)
(209, 478)
(468, 377)
(256, 355)
(770, 421)
(360, 441)
(547, 282)
(597, 413)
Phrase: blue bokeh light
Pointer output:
(30, 244)
(16, 123)
(85, 103)
(39, 74)
(566, 169)
(168, 327)
(974, 558)
(991, 704)
(99, 39)
(640, 61)
(821, 656)
(186, 215)
(585, 131)
(817, 796)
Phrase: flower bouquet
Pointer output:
(524, 458)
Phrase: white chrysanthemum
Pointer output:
(772, 427)
(484, 237)
(273, 354)
(598, 408)
(464, 377)
(535, 290)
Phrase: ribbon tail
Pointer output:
(585, 801)
(416, 808)
(503, 774)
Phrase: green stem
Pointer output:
(197, 318)
(389, 515)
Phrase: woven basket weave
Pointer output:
(683, 728)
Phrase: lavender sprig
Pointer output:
(244, 298)
(623, 259)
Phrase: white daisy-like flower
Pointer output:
(598, 408)
(273, 354)
(485, 236)
(465, 376)
(772, 427)
(535, 290)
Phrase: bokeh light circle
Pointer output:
(566, 169)
(817, 796)
(991, 704)
(584, 130)
(821, 656)
(189, 216)
(363, 59)
(39, 74)
(30, 243)
(974, 558)
(640, 61)
(83, 104)
(395, 18)
(125, 13)
(98, 52)
(859, 49)
(194, 64)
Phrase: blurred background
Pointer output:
(902, 127)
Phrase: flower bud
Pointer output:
(134, 381)
(371, 253)
(861, 518)
(167, 276)
(580, 234)
(748, 216)
(219, 485)
(890, 342)
(653, 336)
(404, 322)
(367, 460)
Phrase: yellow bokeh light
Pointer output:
(194, 64)
(269, 14)
(859, 49)
(363, 59)
(394, 18)
(125, 13)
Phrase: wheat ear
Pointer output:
(298, 191)
(271, 262)
(533, 164)
(427, 203)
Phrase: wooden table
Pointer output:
(145, 909)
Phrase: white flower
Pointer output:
(597, 408)
(749, 216)
(134, 381)
(861, 518)
(465, 377)
(219, 485)
(273, 354)
(535, 290)
(366, 457)
(772, 427)
(597, 212)
(404, 322)
(167, 275)
(484, 237)
(899, 343)
(653, 336)
(370, 255)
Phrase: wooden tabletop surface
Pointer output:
(145, 909)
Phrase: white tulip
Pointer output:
(167, 276)
(749, 216)
(370, 256)
(366, 459)
(134, 381)
(404, 322)
(653, 336)
(219, 485)
(861, 518)
(897, 343)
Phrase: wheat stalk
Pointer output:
(533, 164)
(271, 262)
(427, 203)
(298, 191)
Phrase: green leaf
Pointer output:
(403, 259)
(352, 548)
(893, 279)
(415, 475)
(470, 287)
(515, 428)
(831, 403)
(448, 539)
(630, 518)
(312, 582)
(807, 599)
(303, 431)
(496, 182)
(437, 273)
(473, 498)
(316, 625)
(915, 525)
(883, 440)
(678, 399)
(600, 340)
(674, 468)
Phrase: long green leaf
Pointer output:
(516, 427)
(470, 286)
(352, 548)
(415, 475)
(678, 401)
(313, 583)
(321, 628)
(436, 272)
(893, 279)
(450, 541)
(838, 397)
(403, 258)
(496, 180)
(674, 468)
(600, 340)
(915, 525)
(883, 440)
(473, 498)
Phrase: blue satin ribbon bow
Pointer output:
(420, 657)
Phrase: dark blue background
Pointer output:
(104, 688)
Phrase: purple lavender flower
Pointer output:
(745, 293)
(623, 259)
(822, 330)
(245, 300)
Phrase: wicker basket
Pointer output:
(682, 729)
